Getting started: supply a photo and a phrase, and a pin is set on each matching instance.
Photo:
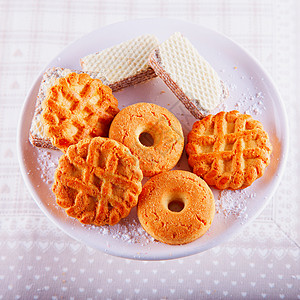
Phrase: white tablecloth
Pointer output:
(38, 261)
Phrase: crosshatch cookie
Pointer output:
(152, 133)
(176, 207)
(97, 181)
(77, 107)
(124, 64)
(37, 135)
(188, 75)
(228, 150)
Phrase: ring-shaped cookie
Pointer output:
(152, 133)
(176, 207)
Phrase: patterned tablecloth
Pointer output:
(38, 261)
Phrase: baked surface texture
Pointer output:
(228, 150)
(188, 75)
(124, 64)
(77, 107)
(97, 181)
(135, 120)
(159, 216)
(37, 135)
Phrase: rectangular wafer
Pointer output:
(125, 64)
(188, 75)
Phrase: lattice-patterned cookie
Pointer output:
(124, 64)
(188, 75)
(37, 135)
(77, 107)
(98, 181)
(228, 150)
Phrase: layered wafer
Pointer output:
(124, 64)
(188, 75)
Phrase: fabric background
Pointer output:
(38, 261)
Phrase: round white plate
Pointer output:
(251, 90)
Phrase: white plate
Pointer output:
(251, 90)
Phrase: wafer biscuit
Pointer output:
(228, 150)
(125, 64)
(188, 75)
(97, 181)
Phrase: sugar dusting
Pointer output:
(251, 104)
(47, 165)
(248, 102)
(127, 230)
(233, 203)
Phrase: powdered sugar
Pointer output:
(127, 230)
(233, 203)
(47, 163)
(247, 103)
(251, 101)
(251, 104)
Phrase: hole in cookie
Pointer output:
(146, 139)
(176, 205)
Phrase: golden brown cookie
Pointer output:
(176, 207)
(37, 136)
(77, 107)
(97, 181)
(228, 150)
(152, 133)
